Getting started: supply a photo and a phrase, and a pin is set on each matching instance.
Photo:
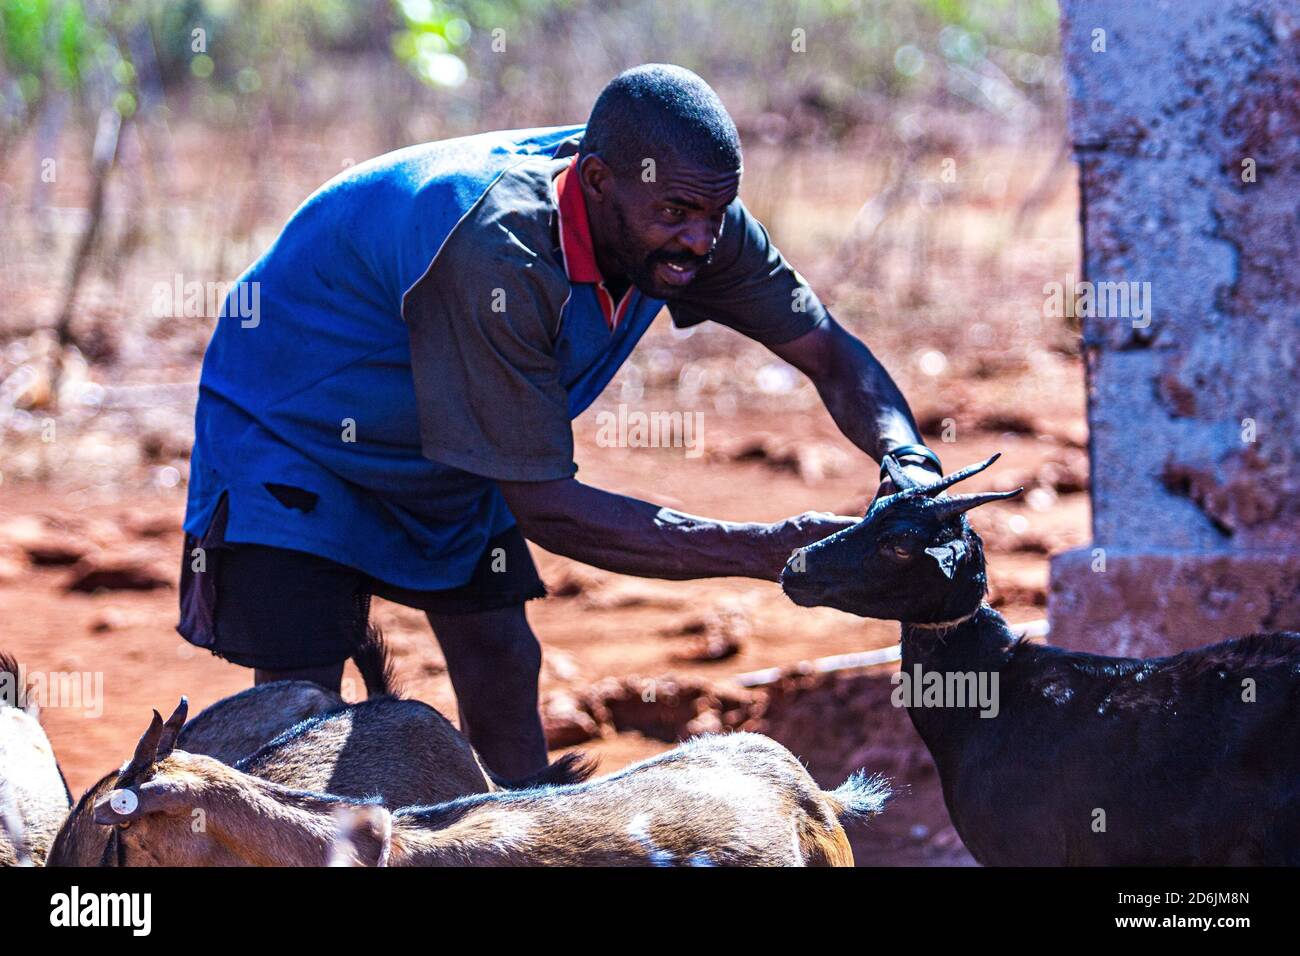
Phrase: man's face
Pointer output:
(658, 234)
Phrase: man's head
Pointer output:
(659, 164)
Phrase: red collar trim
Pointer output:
(575, 231)
(576, 247)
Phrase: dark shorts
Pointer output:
(278, 609)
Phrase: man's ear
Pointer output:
(132, 803)
(595, 175)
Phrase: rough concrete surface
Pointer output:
(1186, 128)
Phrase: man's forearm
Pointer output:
(864, 401)
(636, 537)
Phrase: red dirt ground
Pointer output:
(614, 627)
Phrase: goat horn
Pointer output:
(172, 729)
(960, 475)
(946, 508)
(145, 750)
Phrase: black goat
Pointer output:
(1192, 759)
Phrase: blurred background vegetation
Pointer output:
(85, 81)
(227, 60)
(908, 156)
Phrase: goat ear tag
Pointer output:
(124, 802)
(948, 556)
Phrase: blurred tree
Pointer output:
(72, 50)
(805, 71)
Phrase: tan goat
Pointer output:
(402, 752)
(238, 726)
(733, 800)
(34, 797)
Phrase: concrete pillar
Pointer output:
(1185, 120)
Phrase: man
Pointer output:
(394, 416)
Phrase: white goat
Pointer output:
(34, 798)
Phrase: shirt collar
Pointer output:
(575, 231)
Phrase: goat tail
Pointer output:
(375, 663)
(569, 769)
(862, 796)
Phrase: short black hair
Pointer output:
(658, 109)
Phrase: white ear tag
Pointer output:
(124, 801)
(948, 556)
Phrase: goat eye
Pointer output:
(898, 551)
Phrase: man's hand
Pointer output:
(921, 474)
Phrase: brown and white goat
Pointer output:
(229, 730)
(34, 798)
(400, 752)
(732, 800)
(238, 726)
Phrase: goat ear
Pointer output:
(163, 796)
(362, 836)
(132, 803)
(171, 729)
(145, 750)
(897, 475)
(117, 806)
(948, 556)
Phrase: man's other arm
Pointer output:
(635, 537)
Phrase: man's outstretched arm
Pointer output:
(629, 536)
(635, 537)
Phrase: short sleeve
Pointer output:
(487, 381)
(749, 287)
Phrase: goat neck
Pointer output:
(980, 640)
(979, 644)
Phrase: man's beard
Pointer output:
(641, 272)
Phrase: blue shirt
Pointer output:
(427, 323)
